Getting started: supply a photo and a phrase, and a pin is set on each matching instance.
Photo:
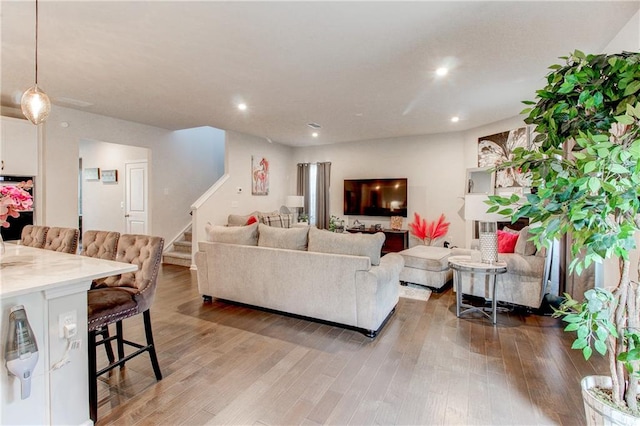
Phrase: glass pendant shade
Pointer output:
(36, 105)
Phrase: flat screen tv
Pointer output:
(375, 197)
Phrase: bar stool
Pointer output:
(100, 244)
(120, 297)
(34, 236)
(63, 240)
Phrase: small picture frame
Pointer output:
(110, 176)
(92, 173)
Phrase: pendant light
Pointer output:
(35, 104)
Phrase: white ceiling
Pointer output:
(362, 70)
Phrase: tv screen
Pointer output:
(375, 197)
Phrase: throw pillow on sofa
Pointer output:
(369, 245)
(507, 241)
(240, 220)
(277, 220)
(524, 246)
(242, 235)
(283, 238)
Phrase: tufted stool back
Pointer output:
(100, 244)
(64, 240)
(34, 236)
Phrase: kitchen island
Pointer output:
(52, 287)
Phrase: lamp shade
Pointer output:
(295, 201)
(475, 208)
(35, 105)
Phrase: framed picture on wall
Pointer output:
(493, 150)
(259, 175)
(110, 176)
(92, 173)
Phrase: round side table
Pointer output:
(464, 264)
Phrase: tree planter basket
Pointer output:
(598, 412)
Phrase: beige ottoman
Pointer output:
(427, 266)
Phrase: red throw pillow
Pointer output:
(506, 242)
(251, 220)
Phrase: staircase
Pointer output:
(181, 252)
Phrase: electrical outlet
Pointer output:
(67, 318)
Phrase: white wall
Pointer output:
(239, 149)
(101, 202)
(181, 168)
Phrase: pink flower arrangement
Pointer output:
(13, 200)
(427, 231)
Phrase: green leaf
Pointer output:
(617, 168)
(594, 184)
(590, 166)
(624, 119)
(600, 347)
(632, 88)
(571, 327)
(586, 353)
(579, 344)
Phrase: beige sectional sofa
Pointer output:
(335, 278)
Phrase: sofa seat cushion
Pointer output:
(427, 258)
(528, 266)
(369, 245)
(243, 235)
(283, 238)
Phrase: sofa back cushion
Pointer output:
(369, 245)
(243, 235)
(283, 238)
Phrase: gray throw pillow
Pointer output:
(525, 247)
(243, 235)
(368, 245)
(284, 238)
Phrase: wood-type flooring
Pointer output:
(226, 364)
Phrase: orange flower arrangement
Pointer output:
(427, 231)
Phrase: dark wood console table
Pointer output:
(395, 241)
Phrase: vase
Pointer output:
(598, 412)
(489, 242)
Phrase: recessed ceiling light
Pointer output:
(455, 119)
(314, 134)
(442, 71)
(242, 107)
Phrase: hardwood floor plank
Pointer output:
(229, 364)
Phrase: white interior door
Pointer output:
(136, 211)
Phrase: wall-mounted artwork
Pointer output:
(109, 176)
(92, 173)
(494, 150)
(259, 176)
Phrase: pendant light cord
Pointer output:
(36, 43)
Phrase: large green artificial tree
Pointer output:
(584, 165)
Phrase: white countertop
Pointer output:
(26, 270)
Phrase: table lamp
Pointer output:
(295, 202)
(475, 209)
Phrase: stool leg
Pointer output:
(104, 332)
(93, 379)
(152, 348)
(120, 341)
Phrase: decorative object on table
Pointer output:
(476, 209)
(494, 150)
(13, 200)
(303, 218)
(586, 173)
(336, 224)
(396, 222)
(357, 225)
(109, 176)
(259, 176)
(294, 202)
(429, 232)
(35, 104)
(92, 173)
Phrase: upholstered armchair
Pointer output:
(34, 236)
(64, 240)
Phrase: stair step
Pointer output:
(187, 236)
(182, 246)
(177, 258)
